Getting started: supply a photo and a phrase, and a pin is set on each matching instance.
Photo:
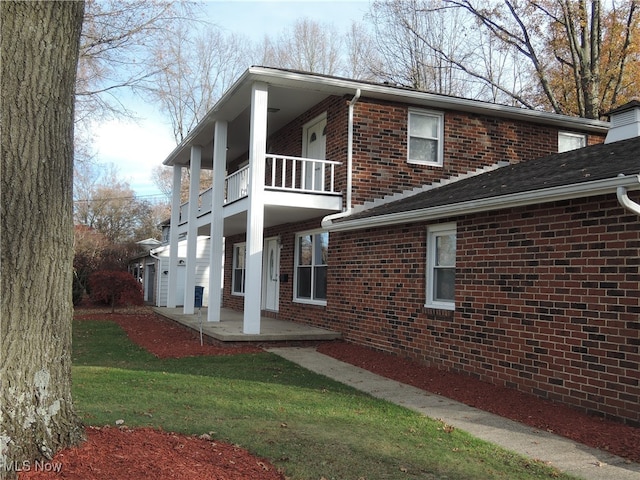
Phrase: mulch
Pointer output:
(121, 453)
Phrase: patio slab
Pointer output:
(229, 328)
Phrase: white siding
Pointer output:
(202, 271)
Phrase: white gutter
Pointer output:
(624, 200)
(326, 221)
(563, 192)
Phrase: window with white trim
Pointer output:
(239, 268)
(425, 137)
(441, 266)
(312, 250)
(571, 141)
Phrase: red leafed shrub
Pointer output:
(115, 288)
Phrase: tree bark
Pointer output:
(39, 52)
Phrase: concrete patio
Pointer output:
(229, 328)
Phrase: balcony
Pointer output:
(284, 175)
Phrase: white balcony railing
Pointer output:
(294, 174)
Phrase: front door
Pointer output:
(271, 275)
(316, 147)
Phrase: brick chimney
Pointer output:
(625, 122)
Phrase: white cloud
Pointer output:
(135, 148)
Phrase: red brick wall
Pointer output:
(471, 141)
(288, 310)
(547, 301)
(380, 145)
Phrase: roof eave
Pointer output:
(339, 86)
(553, 194)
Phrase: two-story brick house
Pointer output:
(412, 223)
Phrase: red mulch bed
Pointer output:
(614, 437)
(161, 337)
(122, 453)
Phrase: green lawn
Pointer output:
(306, 424)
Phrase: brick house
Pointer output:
(441, 229)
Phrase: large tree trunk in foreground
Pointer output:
(39, 57)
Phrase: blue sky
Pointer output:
(136, 147)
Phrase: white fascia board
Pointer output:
(338, 85)
(553, 194)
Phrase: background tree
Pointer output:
(37, 93)
(426, 45)
(112, 208)
(116, 51)
(196, 66)
(362, 58)
(310, 46)
(582, 57)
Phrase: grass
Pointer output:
(306, 424)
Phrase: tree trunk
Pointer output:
(39, 53)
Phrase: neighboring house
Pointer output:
(437, 228)
(153, 273)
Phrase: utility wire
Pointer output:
(134, 197)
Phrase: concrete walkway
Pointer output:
(565, 455)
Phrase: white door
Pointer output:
(316, 147)
(271, 275)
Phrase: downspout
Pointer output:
(624, 200)
(326, 221)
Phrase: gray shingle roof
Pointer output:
(597, 162)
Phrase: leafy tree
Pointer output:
(109, 205)
(37, 93)
(595, 71)
(582, 57)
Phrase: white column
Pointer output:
(217, 220)
(192, 230)
(173, 237)
(255, 215)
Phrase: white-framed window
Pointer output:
(312, 249)
(239, 268)
(425, 137)
(571, 141)
(441, 266)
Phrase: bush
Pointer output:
(77, 289)
(115, 288)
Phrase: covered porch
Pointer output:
(230, 327)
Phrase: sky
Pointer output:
(136, 147)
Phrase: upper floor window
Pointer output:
(311, 267)
(571, 141)
(239, 268)
(441, 266)
(426, 133)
